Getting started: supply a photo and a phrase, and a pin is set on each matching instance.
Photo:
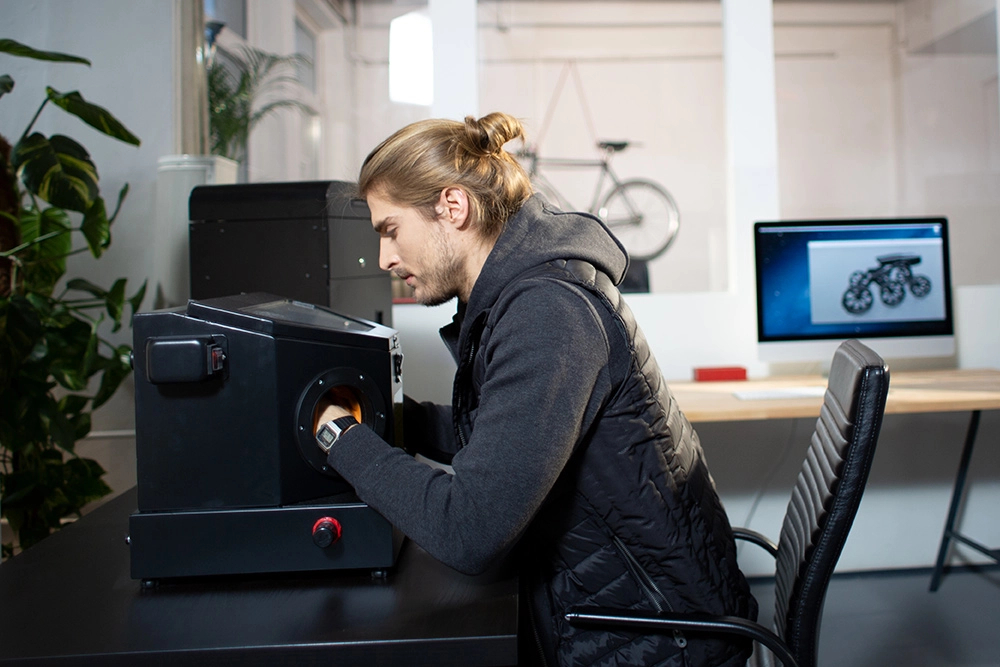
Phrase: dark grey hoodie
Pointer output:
(561, 432)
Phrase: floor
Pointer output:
(891, 619)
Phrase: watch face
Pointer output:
(326, 437)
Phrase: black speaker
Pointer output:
(311, 241)
(230, 479)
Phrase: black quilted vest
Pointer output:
(634, 521)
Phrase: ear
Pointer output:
(453, 207)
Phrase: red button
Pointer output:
(326, 531)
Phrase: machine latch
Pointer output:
(397, 367)
(171, 359)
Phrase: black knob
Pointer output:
(326, 531)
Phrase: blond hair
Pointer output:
(415, 164)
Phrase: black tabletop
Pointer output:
(69, 600)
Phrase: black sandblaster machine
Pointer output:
(230, 479)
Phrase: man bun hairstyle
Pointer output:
(416, 163)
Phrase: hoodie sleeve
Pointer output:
(546, 377)
(428, 429)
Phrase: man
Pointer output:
(564, 440)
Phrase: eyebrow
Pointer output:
(381, 224)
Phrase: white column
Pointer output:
(190, 82)
(456, 58)
(751, 130)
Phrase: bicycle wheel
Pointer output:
(643, 216)
(920, 286)
(857, 300)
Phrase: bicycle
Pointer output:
(892, 275)
(639, 212)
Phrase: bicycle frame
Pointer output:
(641, 213)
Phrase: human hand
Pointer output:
(336, 403)
(327, 410)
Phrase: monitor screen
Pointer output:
(823, 281)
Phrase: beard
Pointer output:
(440, 281)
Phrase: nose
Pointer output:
(387, 258)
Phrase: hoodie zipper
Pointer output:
(464, 378)
(462, 438)
(648, 586)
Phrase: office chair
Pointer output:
(824, 502)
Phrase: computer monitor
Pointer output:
(884, 281)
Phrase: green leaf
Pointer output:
(118, 206)
(81, 425)
(83, 481)
(44, 260)
(76, 163)
(61, 429)
(22, 326)
(83, 285)
(96, 228)
(13, 48)
(48, 258)
(6, 84)
(58, 170)
(71, 349)
(30, 224)
(136, 300)
(91, 361)
(97, 117)
(116, 370)
(16, 492)
(72, 404)
(115, 303)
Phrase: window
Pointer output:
(310, 124)
(305, 44)
(231, 12)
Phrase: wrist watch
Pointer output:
(331, 431)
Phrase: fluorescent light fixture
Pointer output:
(411, 59)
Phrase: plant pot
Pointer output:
(176, 176)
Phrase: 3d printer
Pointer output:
(230, 480)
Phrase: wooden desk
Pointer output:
(69, 600)
(929, 391)
(909, 392)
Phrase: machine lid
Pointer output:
(278, 316)
(303, 200)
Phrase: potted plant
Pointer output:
(55, 367)
(243, 88)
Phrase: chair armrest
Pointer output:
(759, 539)
(734, 625)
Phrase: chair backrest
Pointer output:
(827, 494)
